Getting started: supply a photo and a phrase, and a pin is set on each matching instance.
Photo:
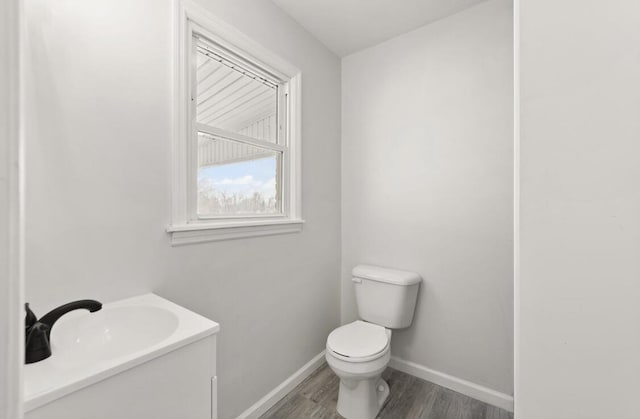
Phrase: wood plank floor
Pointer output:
(410, 398)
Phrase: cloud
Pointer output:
(244, 180)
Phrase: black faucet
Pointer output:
(37, 332)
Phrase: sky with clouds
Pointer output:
(242, 178)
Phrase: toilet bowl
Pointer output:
(358, 353)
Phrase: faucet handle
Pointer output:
(37, 346)
(30, 318)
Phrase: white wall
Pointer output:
(99, 77)
(579, 298)
(427, 185)
(11, 328)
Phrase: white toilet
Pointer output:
(359, 352)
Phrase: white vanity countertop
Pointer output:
(89, 347)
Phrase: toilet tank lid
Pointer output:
(391, 276)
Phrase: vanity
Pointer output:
(143, 357)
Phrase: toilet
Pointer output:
(359, 352)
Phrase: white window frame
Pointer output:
(186, 227)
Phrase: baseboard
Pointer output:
(465, 387)
(268, 401)
(476, 391)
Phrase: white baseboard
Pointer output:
(476, 391)
(268, 401)
(465, 387)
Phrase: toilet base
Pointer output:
(362, 399)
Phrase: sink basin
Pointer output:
(89, 347)
(110, 333)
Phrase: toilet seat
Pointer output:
(359, 342)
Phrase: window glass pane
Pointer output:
(237, 179)
(234, 99)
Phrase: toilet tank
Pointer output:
(386, 297)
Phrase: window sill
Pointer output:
(200, 233)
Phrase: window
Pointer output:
(236, 147)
